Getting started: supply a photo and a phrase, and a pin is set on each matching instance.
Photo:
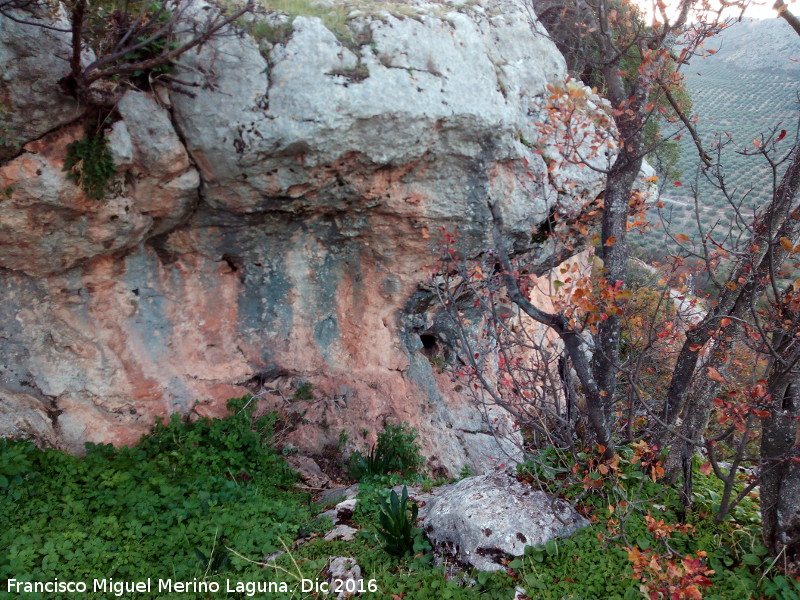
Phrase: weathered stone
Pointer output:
(48, 224)
(345, 509)
(341, 532)
(23, 416)
(480, 520)
(309, 471)
(32, 60)
(307, 257)
(455, 93)
(337, 494)
(344, 576)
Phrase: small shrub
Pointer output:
(278, 33)
(400, 442)
(397, 527)
(353, 74)
(342, 443)
(396, 451)
(90, 164)
(370, 465)
(304, 391)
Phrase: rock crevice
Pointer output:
(278, 220)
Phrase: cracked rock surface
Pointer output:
(274, 229)
(480, 520)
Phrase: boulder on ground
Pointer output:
(309, 471)
(479, 520)
(344, 577)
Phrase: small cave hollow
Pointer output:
(429, 344)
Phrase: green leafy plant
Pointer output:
(342, 442)
(16, 462)
(90, 164)
(355, 74)
(396, 526)
(396, 451)
(173, 504)
(371, 465)
(304, 391)
(217, 560)
(400, 443)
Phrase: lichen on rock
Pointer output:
(480, 520)
(275, 224)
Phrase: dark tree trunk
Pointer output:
(606, 360)
(697, 413)
(780, 479)
(780, 441)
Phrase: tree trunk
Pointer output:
(780, 441)
(780, 478)
(606, 360)
(697, 413)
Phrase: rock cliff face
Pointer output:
(272, 230)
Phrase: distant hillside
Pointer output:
(753, 44)
(747, 87)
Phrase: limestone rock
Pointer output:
(276, 225)
(23, 416)
(481, 519)
(47, 222)
(166, 182)
(343, 511)
(309, 471)
(341, 532)
(337, 495)
(324, 124)
(344, 575)
(32, 60)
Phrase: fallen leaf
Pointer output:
(716, 375)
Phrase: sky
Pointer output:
(758, 9)
(764, 10)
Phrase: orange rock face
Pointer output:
(273, 232)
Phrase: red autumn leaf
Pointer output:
(705, 468)
(716, 375)
(678, 184)
(781, 136)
